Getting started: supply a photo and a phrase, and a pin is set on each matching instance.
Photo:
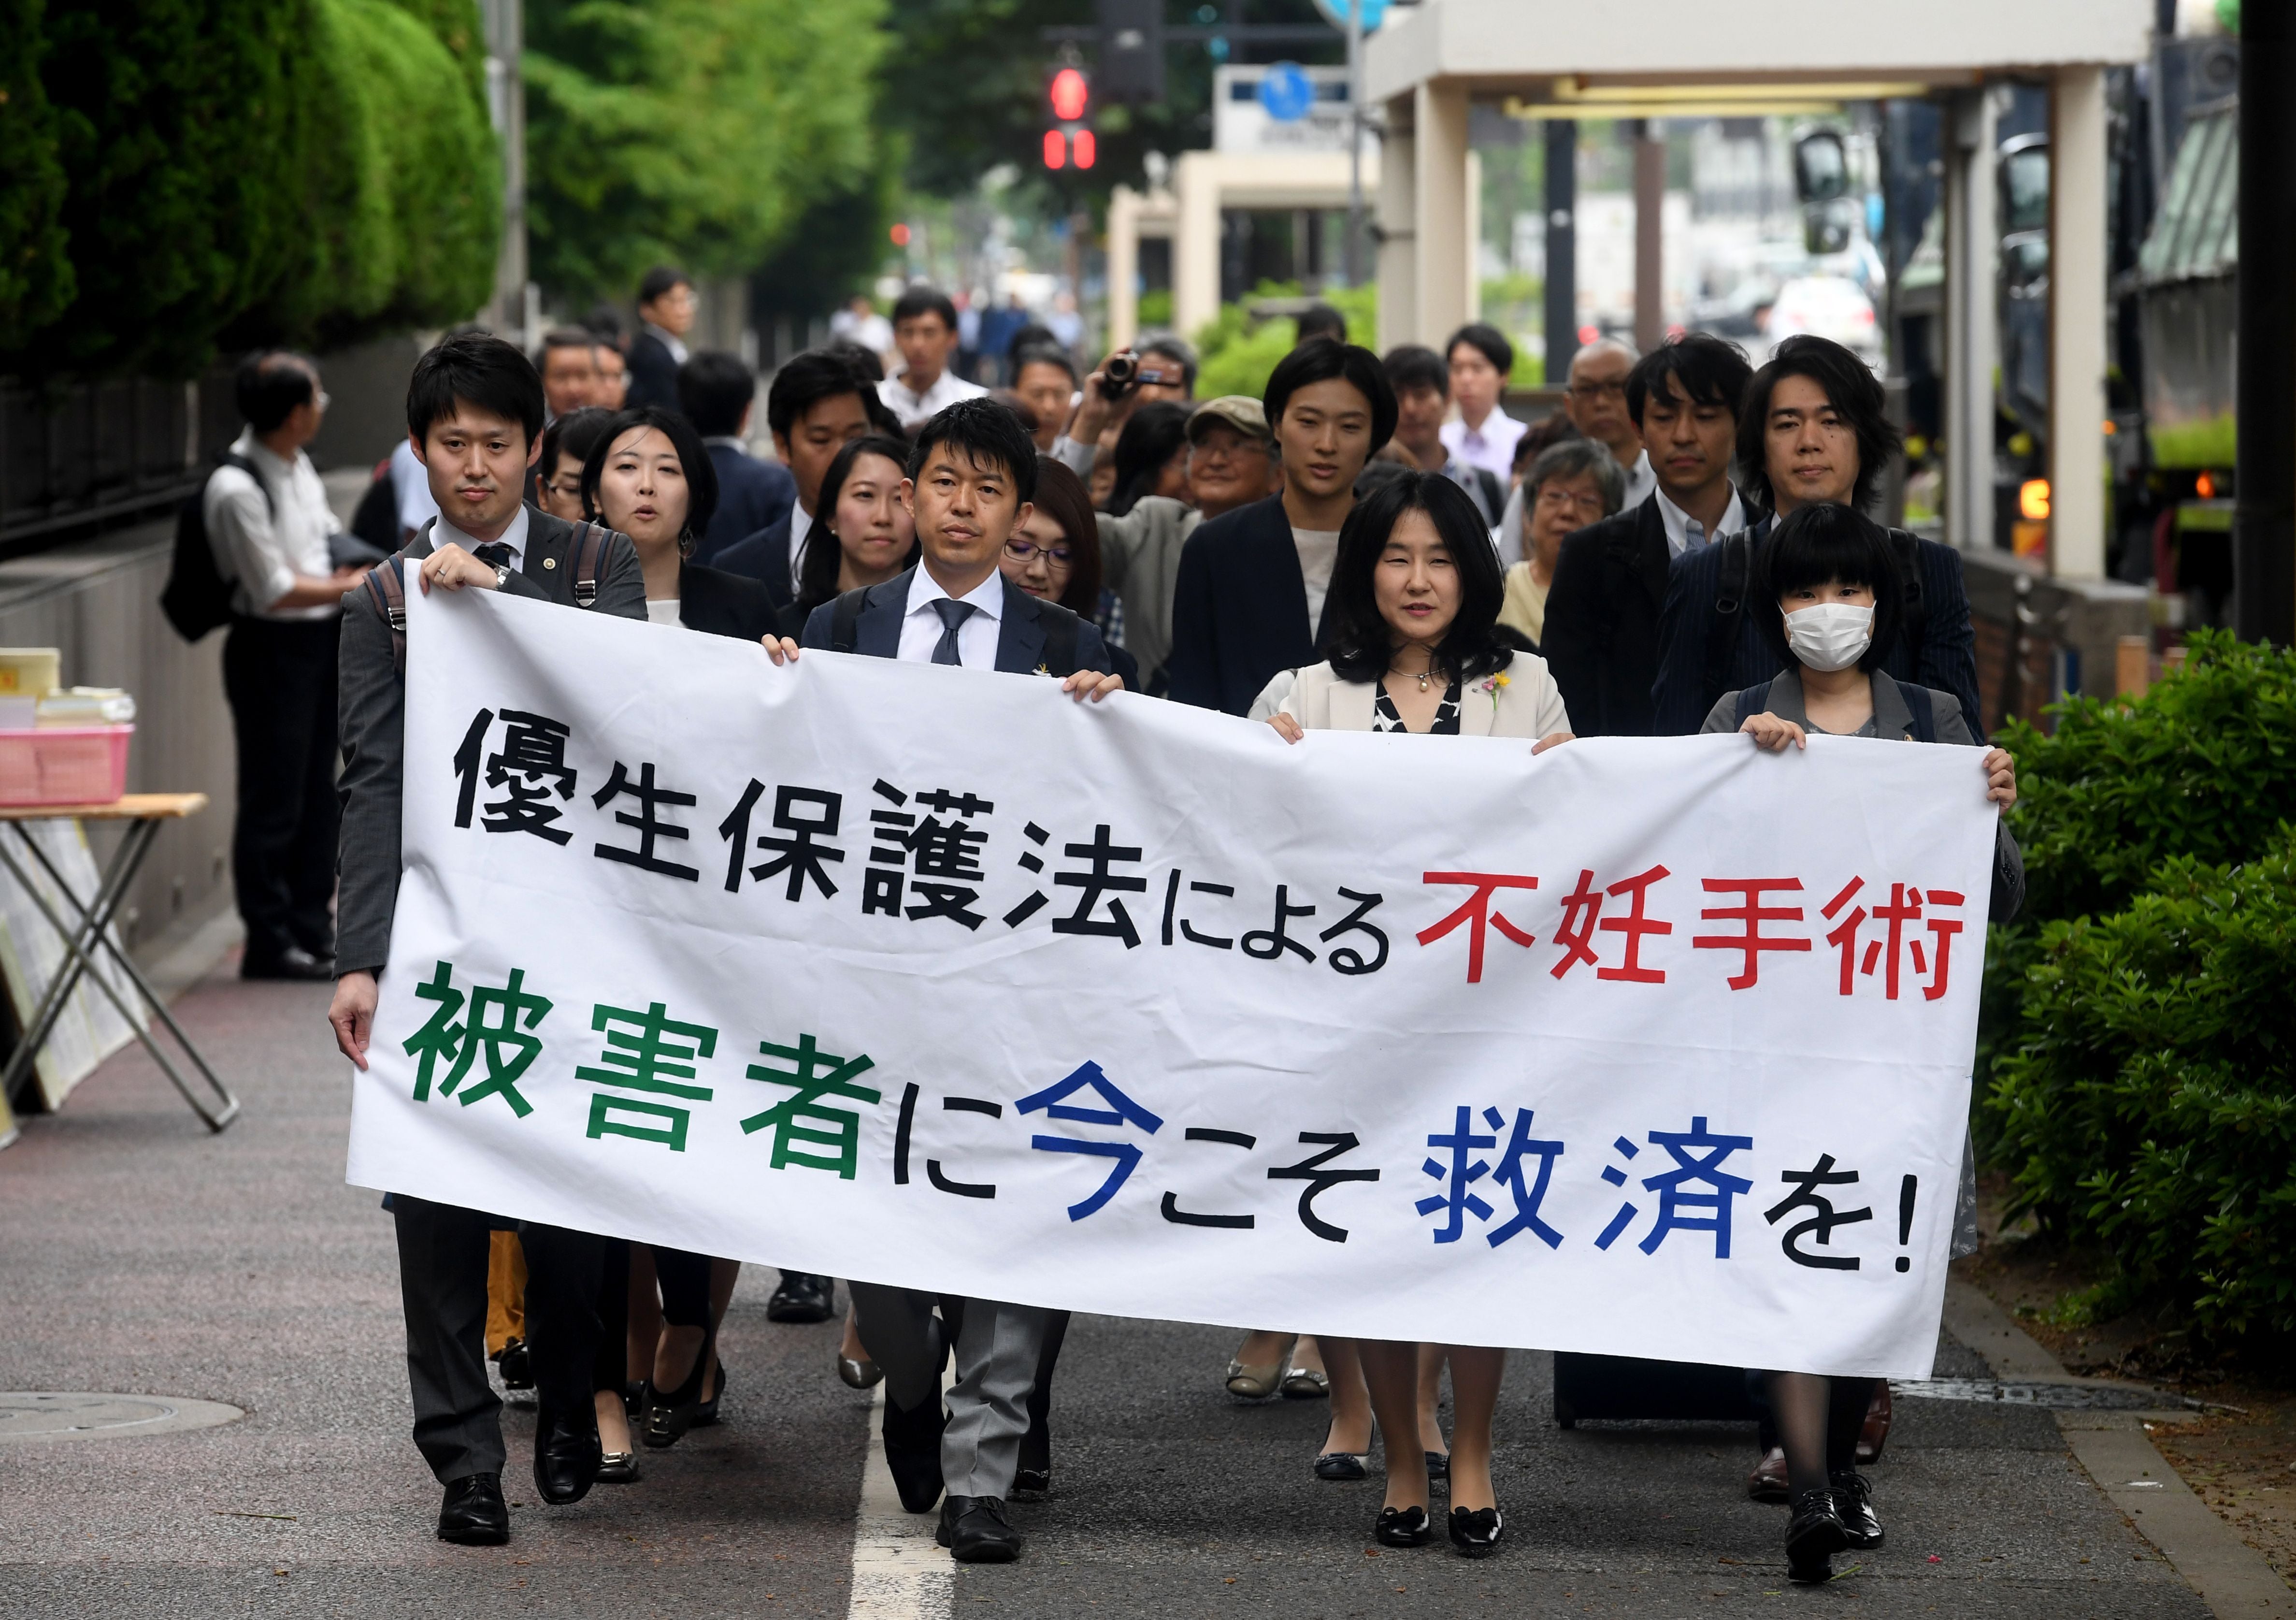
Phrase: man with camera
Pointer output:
(1161, 368)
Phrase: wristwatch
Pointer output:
(502, 576)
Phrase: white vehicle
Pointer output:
(1830, 306)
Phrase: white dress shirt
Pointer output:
(1685, 532)
(910, 406)
(261, 546)
(444, 533)
(410, 487)
(1640, 482)
(1490, 447)
(800, 526)
(976, 637)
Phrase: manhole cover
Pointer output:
(80, 1415)
(2057, 1397)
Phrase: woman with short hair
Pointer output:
(1570, 486)
(1416, 647)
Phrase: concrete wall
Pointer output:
(99, 601)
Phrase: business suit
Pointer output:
(751, 495)
(763, 557)
(442, 1249)
(1240, 609)
(1601, 621)
(718, 603)
(1945, 659)
(998, 1344)
(654, 373)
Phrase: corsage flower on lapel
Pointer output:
(1491, 686)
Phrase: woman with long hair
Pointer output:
(860, 508)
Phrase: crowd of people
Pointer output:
(1681, 548)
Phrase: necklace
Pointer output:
(1421, 676)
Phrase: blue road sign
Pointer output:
(1372, 11)
(1287, 92)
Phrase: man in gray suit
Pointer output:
(972, 474)
(474, 413)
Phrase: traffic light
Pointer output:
(1132, 50)
(1070, 142)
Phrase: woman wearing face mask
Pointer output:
(1415, 607)
(1828, 593)
(875, 536)
(648, 476)
(1055, 555)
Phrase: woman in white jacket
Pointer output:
(1416, 597)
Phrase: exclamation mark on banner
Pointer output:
(1905, 1217)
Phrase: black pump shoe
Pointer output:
(473, 1514)
(1403, 1527)
(670, 1413)
(1475, 1532)
(1853, 1505)
(1814, 1535)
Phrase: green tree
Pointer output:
(36, 279)
(692, 131)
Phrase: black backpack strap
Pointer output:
(1060, 640)
(1914, 631)
(1752, 701)
(845, 619)
(233, 458)
(1736, 563)
(386, 588)
(1922, 708)
(589, 562)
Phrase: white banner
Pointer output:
(931, 977)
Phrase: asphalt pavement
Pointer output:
(139, 1255)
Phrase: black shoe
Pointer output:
(516, 1365)
(1853, 1505)
(1812, 1536)
(1475, 1532)
(1031, 1485)
(566, 1454)
(1340, 1465)
(1032, 1477)
(802, 1298)
(617, 1468)
(912, 1452)
(670, 1413)
(1403, 1527)
(1438, 1468)
(292, 963)
(473, 1514)
(706, 1414)
(974, 1530)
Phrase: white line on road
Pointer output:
(900, 1573)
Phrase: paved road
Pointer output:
(138, 1254)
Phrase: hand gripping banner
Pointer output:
(934, 977)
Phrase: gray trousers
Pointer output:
(996, 1353)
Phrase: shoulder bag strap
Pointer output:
(1736, 563)
(1060, 641)
(1922, 708)
(845, 621)
(1752, 701)
(589, 562)
(385, 586)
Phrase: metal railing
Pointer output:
(98, 455)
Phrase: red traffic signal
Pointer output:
(1071, 143)
(1072, 96)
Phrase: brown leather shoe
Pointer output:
(1767, 1482)
(1874, 1432)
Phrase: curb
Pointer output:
(2229, 1575)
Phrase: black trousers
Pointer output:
(442, 1279)
(281, 681)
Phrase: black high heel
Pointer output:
(1403, 1527)
(1475, 1532)
(668, 1415)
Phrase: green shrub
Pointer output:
(2150, 1108)
(36, 279)
(1237, 356)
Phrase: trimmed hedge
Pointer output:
(35, 277)
(256, 170)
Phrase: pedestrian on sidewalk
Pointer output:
(474, 413)
(666, 310)
(718, 392)
(268, 521)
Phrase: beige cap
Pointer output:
(1241, 412)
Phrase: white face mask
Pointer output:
(1832, 636)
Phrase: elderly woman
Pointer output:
(1570, 485)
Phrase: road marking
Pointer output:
(900, 1573)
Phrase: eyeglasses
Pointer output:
(1556, 498)
(1211, 449)
(1021, 551)
(1596, 390)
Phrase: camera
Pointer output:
(1118, 376)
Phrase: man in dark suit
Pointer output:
(971, 475)
(473, 413)
(666, 307)
(1601, 638)
(1811, 429)
(1249, 598)
(818, 404)
(717, 393)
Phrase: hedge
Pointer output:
(35, 278)
(249, 171)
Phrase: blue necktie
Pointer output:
(953, 613)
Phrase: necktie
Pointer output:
(953, 613)
(494, 554)
(1693, 534)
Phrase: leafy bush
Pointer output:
(1237, 356)
(2150, 1108)
(36, 279)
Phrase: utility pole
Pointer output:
(507, 312)
(1355, 143)
(1560, 194)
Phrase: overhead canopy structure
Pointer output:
(1692, 59)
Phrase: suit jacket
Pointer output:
(1601, 621)
(1240, 609)
(1020, 632)
(720, 604)
(372, 712)
(1527, 706)
(654, 373)
(751, 495)
(1944, 658)
(763, 557)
